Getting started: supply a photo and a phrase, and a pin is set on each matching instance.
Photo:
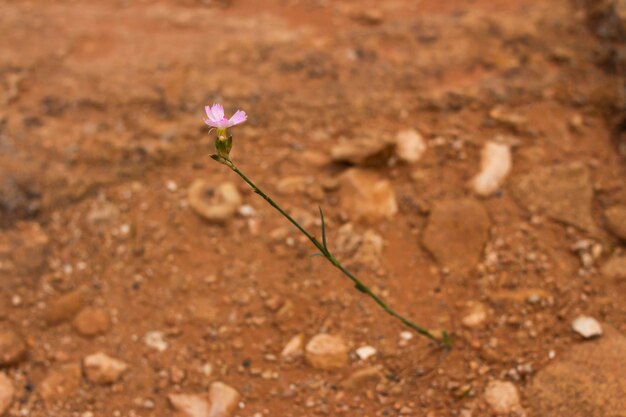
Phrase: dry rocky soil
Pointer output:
(469, 156)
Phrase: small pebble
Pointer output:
(410, 145)
(293, 348)
(224, 400)
(156, 340)
(171, 186)
(476, 314)
(92, 322)
(189, 405)
(365, 352)
(100, 368)
(587, 327)
(327, 352)
(246, 210)
(406, 335)
(502, 397)
(495, 164)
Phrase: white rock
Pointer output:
(293, 348)
(171, 185)
(406, 335)
(190, 405)
(325, 351)
(475, 315)
(224, 400)
(246, 210)
(495, 165)
(587, 327)
(103, 369)
(365, 352)
(6, 393)
(502, 397)
(206, 369)
(410, 145)
(156, 340)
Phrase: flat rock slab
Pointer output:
(60, 383)
(24, 249)
(615, 268)
(456, 233)
(13, 347)
(588, 381)
(367, 197)
(616, 221)
(563, 192)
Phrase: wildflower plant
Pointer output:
(217, 120)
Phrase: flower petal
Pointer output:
(218, 111)
(223, 123)
(209, 114)
(237, 118)
(210, 122)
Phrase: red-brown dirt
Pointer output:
(101, 136)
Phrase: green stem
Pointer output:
(444, 340)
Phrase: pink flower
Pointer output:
(215, 117)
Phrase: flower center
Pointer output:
(221, 133)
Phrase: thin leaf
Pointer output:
(360, 287)
(323, 229)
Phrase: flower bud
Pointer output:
(223, 143)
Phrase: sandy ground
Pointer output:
(104, 249)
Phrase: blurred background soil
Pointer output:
(119, 235)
